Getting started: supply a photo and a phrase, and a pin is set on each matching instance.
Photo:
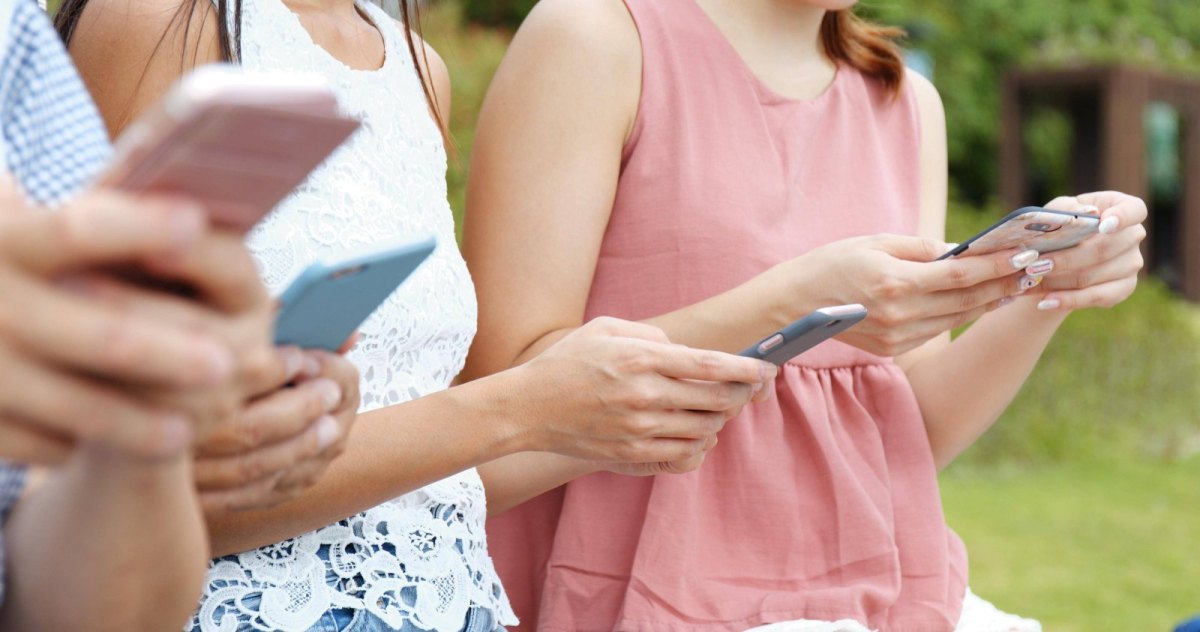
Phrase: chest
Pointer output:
(756, 186)
(348, 36)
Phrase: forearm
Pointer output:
(391, 452)
(963, 388)
(730, 321)
(516, 478)
(106, 543)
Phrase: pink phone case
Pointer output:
(234, 142)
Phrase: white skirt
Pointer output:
(977, 616)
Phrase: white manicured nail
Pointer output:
(1023, 259)
(1028, 282)
(1041, 267)
(1049, 304)
(1109, 225)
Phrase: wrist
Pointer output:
(792, 288)
(106, 465)
(500, 404)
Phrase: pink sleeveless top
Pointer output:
(821, 503)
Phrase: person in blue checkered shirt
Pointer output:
(104, 390)
(54, 139)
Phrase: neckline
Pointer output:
(761, 86)
(373, 19)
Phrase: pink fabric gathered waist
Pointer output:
(834, 354)
(819, 503)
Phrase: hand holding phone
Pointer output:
(324, 306)
(806, 333)
(236, 142)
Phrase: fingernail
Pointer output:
(950, 246)
(1048, 304)
(1088, 208)
(1040, 267)
(176, 433)
(186, 223)
(1005, 301)
(1023, 259)
(293, 359)
(1029, 282)
(1109, 225)
(312, 366)
(328, 432)
(330, 392)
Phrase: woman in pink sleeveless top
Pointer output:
(719, 168)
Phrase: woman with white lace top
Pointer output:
(413, 553)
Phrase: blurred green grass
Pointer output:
(1084, 545)
(1082, 506)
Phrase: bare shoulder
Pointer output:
(929, 101)
(599, 30)
(585, 55)
(130, 52)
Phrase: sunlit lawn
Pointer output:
(1105, 545)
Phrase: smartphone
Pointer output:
(806, 333)
(324, 306)
(1031, 227)
(237, 142)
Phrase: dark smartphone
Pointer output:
(806, 333)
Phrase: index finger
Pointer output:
(1118, 210)
(219, 268)
(686, 363)
(100, 229)
(964, 271)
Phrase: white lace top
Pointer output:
(421, 558)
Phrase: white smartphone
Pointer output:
(236, 142)
(1031, 227)
(806, 333)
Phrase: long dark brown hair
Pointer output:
(869, 48)
(69, 14)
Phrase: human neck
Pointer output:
(321, 5)
(784, 25)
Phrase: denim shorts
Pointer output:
(342, 620)
(350, 620)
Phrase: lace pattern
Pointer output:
(421, 558)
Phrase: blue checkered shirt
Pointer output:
(12, 479)
(54, 140)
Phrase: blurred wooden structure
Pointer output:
(1106, 106)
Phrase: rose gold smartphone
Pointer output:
(236, 142)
